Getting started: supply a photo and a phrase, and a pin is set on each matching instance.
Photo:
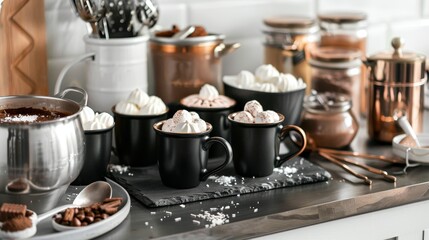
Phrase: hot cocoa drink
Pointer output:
(26, 115)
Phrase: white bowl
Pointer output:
(415, 154)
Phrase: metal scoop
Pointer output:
(403, 122)
(92, 11)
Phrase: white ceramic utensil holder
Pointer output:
(115, 68)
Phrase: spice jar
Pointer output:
(328, 120)
(337, 70)
(288, 41)
(347, 30)
(396, 85)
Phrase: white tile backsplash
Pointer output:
(415, 33)
(241, 21)
(377, 10)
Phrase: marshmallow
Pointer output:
(93, 125)
(105, 119)
(202, 125)
(275, 115)
(264, 117)
(268, 87)
(186, 127)
(253, 107)
(168, 125)
(182, 116)
(87, 114)
(125, 107)
(245, 79)
(244, 117)
(138, 97)
(194, 115)
(264, 72)
(208, 92)
(153, 106)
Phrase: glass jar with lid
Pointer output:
(328, 120)
(337, 70)
(346, 30)
(288, 40)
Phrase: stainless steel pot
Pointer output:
(39, 160)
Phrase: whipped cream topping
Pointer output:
(207, 98)
(266, 79)
(184, 122)
(95, 121)
(139, 103)
(254, 113)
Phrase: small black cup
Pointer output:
(256, 146)
(98, 147)
(182, 157)
(135, 138)
(218, 118)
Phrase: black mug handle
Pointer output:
(282, 135)
(206, 147)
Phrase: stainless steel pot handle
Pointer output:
(223, 49)
(82, 103)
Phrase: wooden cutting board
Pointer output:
(23, 57)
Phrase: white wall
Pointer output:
(241, 21)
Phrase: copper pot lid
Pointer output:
(398, 55)
(210, 38)
(342, 17)
(334, 54)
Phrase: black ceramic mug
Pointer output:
(218, 118)
(256, 146)
(135, 138)
(98, 146)
(182, 157)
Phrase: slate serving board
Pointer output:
(145, 184)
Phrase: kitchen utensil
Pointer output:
(288, 41)
(147, 12)
(191, 63)
(184, 33)
(406, 126)
(182, 157)
(252, 161)
(396, 84)
(370, 169)
(410, 151)
(119, 16)
(320, 99)
(91, 11)
(345, 167)
(39, 160)
(93, 193)
(359, 155)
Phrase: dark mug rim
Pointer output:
(157, 127)
(205, 109)
(137, 116)
(231, 119)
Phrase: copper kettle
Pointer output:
(396, 86)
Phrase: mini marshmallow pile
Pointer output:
(95, 121)
(266, 79)
(254, 113)
(139, 103)
(184, 122)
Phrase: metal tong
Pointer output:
(337, 157)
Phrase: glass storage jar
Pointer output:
(329, 123)
(288, 40)
(337, 70)
(347, 30)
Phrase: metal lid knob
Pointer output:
(397, 44)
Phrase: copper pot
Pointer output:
(396, 85)
(182, 66)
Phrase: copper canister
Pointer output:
(288, 40)
(182, 66)
(396, 85)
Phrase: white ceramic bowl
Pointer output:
(415, 154)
